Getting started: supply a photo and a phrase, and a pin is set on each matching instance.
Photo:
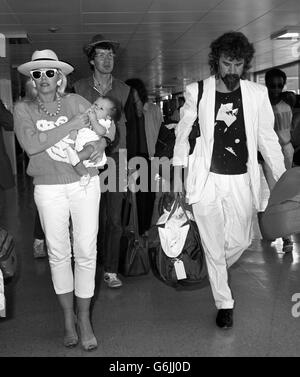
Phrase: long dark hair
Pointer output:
(140, 87)
(233, 45)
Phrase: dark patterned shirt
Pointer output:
(230, 152)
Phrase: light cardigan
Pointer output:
(27, 117)
(259, 123)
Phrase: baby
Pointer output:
(102, 130)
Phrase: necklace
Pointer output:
(43, 107)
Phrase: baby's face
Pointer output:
(103, 108)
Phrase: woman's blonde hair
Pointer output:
(31, 92)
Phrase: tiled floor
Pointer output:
(147, 318)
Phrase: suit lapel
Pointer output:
(248, 110)
(208, 108)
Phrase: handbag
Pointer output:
(8, 258)
(165, 143)
(134, 259)
(191, 256)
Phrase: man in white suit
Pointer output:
(223, 181)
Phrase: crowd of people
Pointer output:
(73, 138)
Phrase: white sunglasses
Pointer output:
(37, 73)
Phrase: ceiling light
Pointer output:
(288, 32)
(53, 29)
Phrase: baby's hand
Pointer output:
(73, 134)
(98, 128)
(92, 116)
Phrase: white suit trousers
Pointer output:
(224, 219)
(56, 203)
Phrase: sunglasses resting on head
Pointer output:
(37, 73)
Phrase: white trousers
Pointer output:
(224, 219)
(56, 203)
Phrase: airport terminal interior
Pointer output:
(166, 44)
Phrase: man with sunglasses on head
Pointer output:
(130, 135)
(223, 177)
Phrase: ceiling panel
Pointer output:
(290, 5)
(46, 18)
(115, 6)
(44, 28)
(164, 27)
(249, 5)
(109, 29)
(112, 17)
(8, 19)
(4, 7)
(181, 16)
(44, 6)
(236, 18)
(186, 5)
(273, 21)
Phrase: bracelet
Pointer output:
(283, 145)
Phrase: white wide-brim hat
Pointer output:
(44, 59)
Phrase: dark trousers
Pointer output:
(110, 229)
(38, 230)
(2, 205)
(145, 204)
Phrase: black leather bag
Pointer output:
(192, 256)
(164, 146)
(166, 138)
(134, 259)
(8, 258)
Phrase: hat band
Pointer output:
(44, 59)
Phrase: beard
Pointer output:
(231, 81)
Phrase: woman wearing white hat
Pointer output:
(39, 125)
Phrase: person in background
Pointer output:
(223, 178)
(39, 124)
(6, 174)
(153, 121)
(177, 112)
(130, 135)
(275, 80)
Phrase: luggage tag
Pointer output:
(179, 269)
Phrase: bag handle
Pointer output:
(200, 92)
(134, 211)
(179, 203)
(175, 205)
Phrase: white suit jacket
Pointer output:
(259, 126)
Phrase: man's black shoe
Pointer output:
(225, 318)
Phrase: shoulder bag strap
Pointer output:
(200, 92)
